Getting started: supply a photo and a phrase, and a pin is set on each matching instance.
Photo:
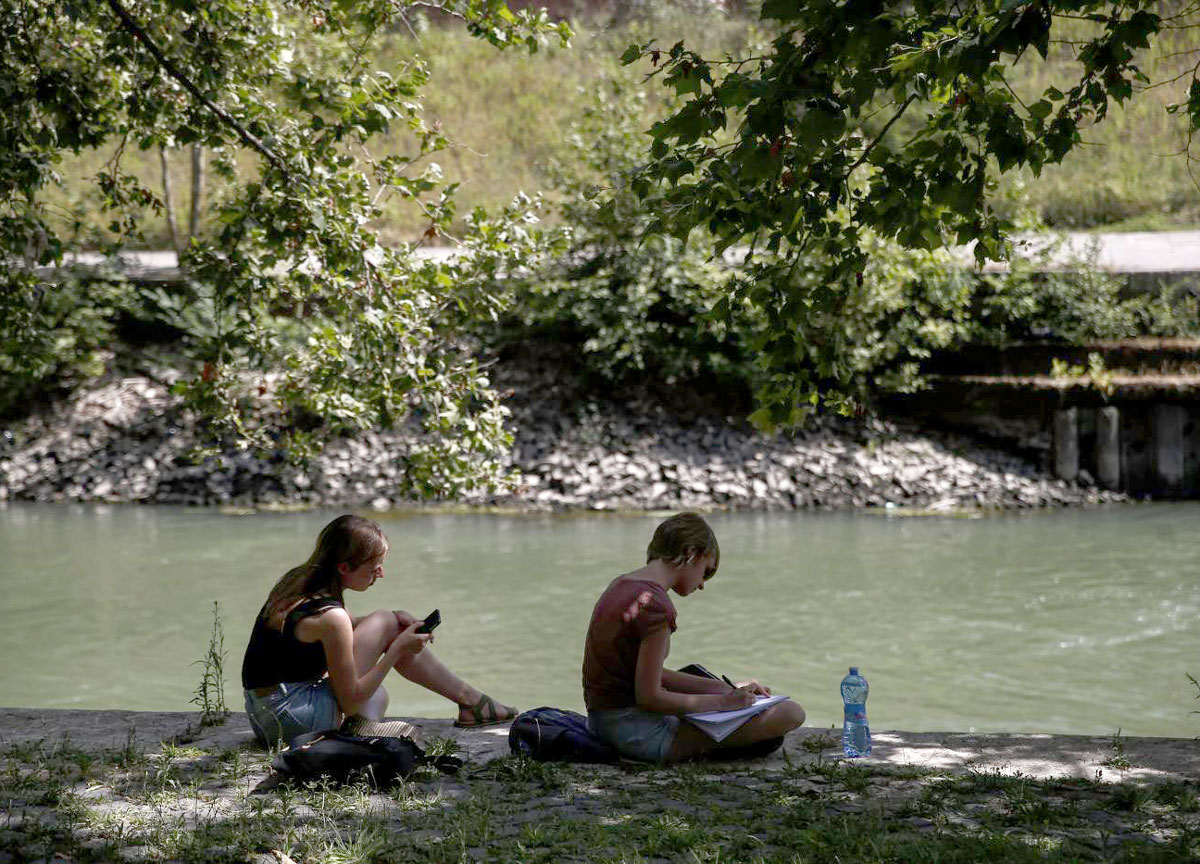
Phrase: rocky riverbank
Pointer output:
(136, 786)
(126, 440)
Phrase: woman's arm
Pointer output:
(651, 695)
(335, 631)
(682, 682)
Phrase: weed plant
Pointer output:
(210, 692)
(1117, 760)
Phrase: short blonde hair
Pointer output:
(681, 535)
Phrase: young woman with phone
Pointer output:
(309, 663)
(633, 702)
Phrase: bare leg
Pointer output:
(428, 671)
(375, 631)
(372, 634)
(375, 708)
(775, 722)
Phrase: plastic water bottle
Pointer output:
(856, 734)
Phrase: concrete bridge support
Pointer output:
(1108, 447)
(1066, 444)
(1167, 448)
(1138, 448)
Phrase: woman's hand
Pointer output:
(739, 697)
(404, 619)
(408, 642)
(755, 688)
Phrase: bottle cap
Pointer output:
(853, 670)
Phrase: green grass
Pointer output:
(507, 112)
(510, 114)
(186, 803)
(1128, 173)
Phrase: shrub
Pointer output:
(636, 305)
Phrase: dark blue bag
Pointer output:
(554, 735)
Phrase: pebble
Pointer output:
(127, 440)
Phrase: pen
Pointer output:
(727, 681)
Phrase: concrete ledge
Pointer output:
(1038, 756)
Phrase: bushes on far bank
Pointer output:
(640, 310)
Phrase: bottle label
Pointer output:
(856, 711)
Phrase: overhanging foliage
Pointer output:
(300, 324)
(867, 119)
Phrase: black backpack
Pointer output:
(341, 757)
(555, 735)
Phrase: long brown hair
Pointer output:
(348, 539)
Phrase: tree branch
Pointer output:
(197, 190)
(225, 117)
(169, 201)
(881, 135)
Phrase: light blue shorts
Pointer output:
(292, 709)
(643, 735)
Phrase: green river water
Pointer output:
(1066, 622)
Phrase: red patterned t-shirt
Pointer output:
(611, 650)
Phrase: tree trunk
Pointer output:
(169, 200)
(198, 179)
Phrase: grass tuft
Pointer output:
(210, 692)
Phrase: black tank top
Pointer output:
(274, 656)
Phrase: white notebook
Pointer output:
(718, 725)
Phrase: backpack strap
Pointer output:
(445, 763)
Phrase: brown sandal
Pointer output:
(485, 705)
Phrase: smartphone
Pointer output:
(432, 620)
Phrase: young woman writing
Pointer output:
(310, 663)
(633, 702)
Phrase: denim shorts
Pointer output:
(643, 735)
(292, 709)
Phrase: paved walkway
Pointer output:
(1125, 252)
(1035, 756)
(1164, 252)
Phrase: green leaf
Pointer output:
(686, 82)
(781, 10)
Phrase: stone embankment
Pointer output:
(128, 439)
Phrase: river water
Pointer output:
(1066, 622)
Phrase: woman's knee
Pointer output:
(372, 634)
(379, 621)
(375, 632)
(778, 720)
(791, 715)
